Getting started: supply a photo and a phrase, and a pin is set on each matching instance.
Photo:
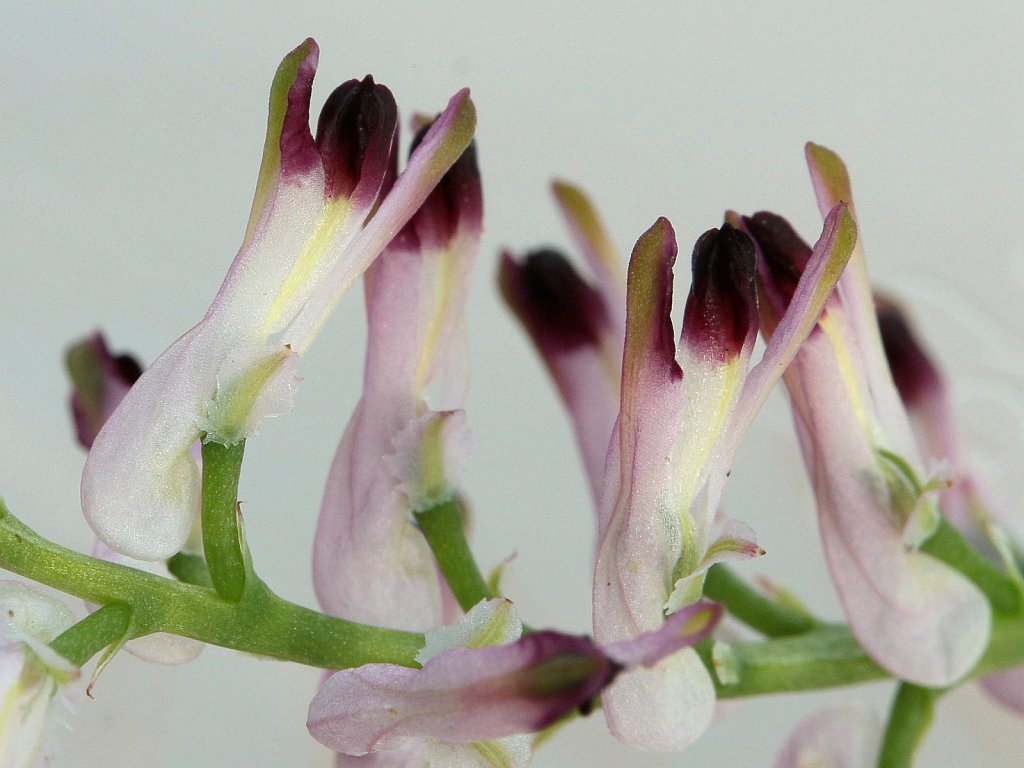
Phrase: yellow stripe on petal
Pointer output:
(439, 311)
(848, 365)
(307, 266)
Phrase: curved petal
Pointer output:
(664, 708)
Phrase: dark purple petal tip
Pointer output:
(455, 204)
(721, 310)
(784, 256)
(99, 380)
(356, 138)
(298, 152)
(559, 310)
(915, 375)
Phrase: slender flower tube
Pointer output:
(324, 209)
(917, 617)
(682, 413)
(847, 737)
(407, 438)
(30, 672)
(577, 327)
(466, 695)
(966, 503)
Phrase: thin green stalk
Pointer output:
(100, 629)
(190, 568)
(752, 607)
(442, 527)
(261, 622)
(222, 534)
(822, 658)
(911, 715)
(947, 545)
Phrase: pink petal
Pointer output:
(468, 695)
(914, 615)
(849, 737)
(1007, 688)
(461, 695)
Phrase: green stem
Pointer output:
(442, 527)
(754, 608)
(911, 715)
(222, 534)
(261, 622)
(101, 628)
(822, 658)
(947, 545)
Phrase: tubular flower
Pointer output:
(847, 737)
(407, 438)
(671, 451)
(30, 671)
(576, 327)
(468, 695)
(324, 209)
(914, 615)
(966, 502)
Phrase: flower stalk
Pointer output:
(913, 709)
(443, 529)
(223, 541)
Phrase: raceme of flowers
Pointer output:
(657, 416)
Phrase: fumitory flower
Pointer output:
(916, 616)
(30, 671)
(407, 438)
(465, 695)
(683, 411)
(324, 208)
(966, 503)
(406, 442)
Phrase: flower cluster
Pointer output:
(429, 664)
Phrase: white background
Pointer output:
(130, 138)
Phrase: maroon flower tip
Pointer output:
(298, 152)
(99, 380)
(721, 310)
(560, 311)
(915, 375)
(784, 256)
(569, 673)
(456, 203)
(356, 138)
